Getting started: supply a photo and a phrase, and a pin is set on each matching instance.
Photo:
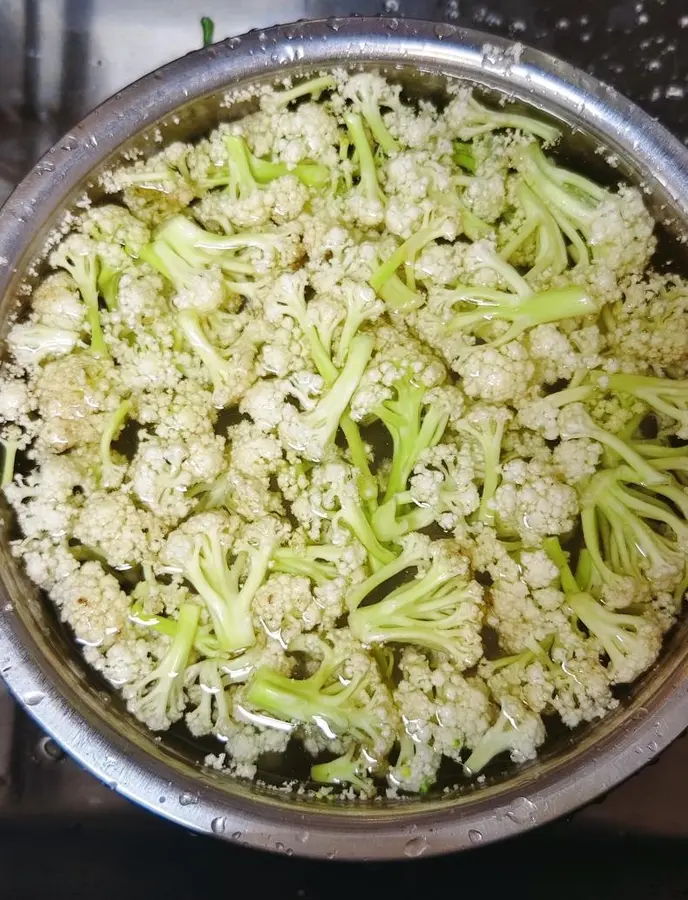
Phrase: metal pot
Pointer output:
(42, 666)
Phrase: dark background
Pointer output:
(62, 835)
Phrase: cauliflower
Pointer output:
(111, 524)
(292, 422)
(644, 328)
(284, 605)
(92, 603)
(56, 303)
(532, 503)
(497, 376)
(577, 459)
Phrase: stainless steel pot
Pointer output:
(44, 669)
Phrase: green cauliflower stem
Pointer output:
(630, 640)
(438, 610)
(350, 768)
(78, 256)
(199, 549)
(517, 731)
(335, 705)
(631, 529)
(158, 699)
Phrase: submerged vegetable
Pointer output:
(317, 400)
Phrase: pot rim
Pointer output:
(416, 828)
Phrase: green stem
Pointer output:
(9, 458)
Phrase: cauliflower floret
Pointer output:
(32, 343)
(45, 502)
(72, 394)
(110, 523)
(443, 481)
(46, 561)
(56, 303)
(538, 569)
(309, 132)
(284, 606)
(153, 188)
(439, 264)
(92, 603)
(254, 453)
(440, 708)
(403, 218)
(396, 356)
(521, 616)
(532, 503)
(264, 403)
(463, 710)
(525, 676)
(489, 554)
(288, 197)
(555, 355)
(645, 329)
(576, 459)
(140, 300)
(404, 175)
(517, 729)
(497, 375)
(129, 659)
(246, 743)
(485, 195)
(621, 232)
(113, 229)
(415, 129)
(16, 402)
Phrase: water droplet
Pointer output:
(474, 836)
(279, 847)
(416, 846)
(331, 855)
(392, 24)
(188, 799)
(652, 746)
(334, 24)
(45, 167)
(234, 42)
(453, 10)
(236, 835)
(161, 799)
(391, 6)
(50, 749)
(302, 836)
(218, 825)
(522, 811)
(658, 729)
(33, 698)
(443, 31)
(289, 851)
(69, 143)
